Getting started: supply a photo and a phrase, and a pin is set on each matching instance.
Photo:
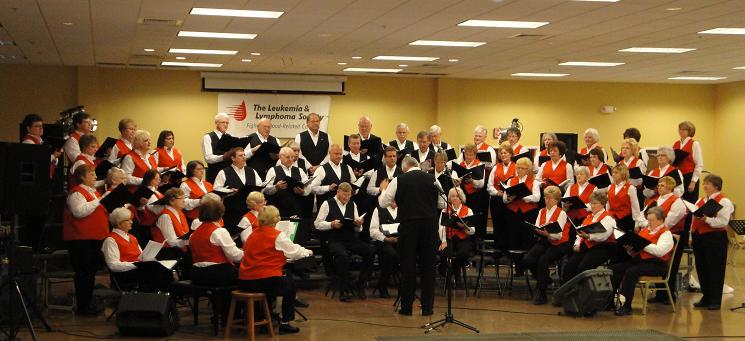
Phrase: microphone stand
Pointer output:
(449, 318)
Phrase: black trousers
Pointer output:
(85, 257)
(388, 258)
(710, 250)
(216, 275)
(341, 252)
(541, 256)
(500, 224)
(461, 250)
(626, 274)
(520, 237)
(274, 287)
(587, 258)
(417, 246)
(479, 203)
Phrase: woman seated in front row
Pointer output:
(592, 249)
(552, 246)
(264, 255)
(460, 247)
(650, 261)
(171, 225)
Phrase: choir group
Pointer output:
(552, 202)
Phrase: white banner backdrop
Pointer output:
(287, 112)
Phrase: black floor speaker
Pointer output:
(586, 293)
(146, 314)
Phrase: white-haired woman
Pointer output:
(591, 137)
(665, 156)
(139, 160)
(121, 249)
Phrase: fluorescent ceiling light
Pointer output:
(190, 64)
(235, 13)
(697, 78)
(452, 60)
(196, 34)
(447, 43)
(503, 24)
(365, 69)
(407, 58)
(255, 53)
(656, 50)
(196, 51)
(590, 64)
(402, 65)
(180, 58)
(149, 50)
(597, 0)
(537, 74)
(356, 57)
(724, 30)
(341, 63)
(246, 60)
(739, 68)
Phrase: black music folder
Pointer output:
(709, 209)
(451, 154)
(451, 220)
(600, 181)
(484, 156)
(651, 181)
(634, 240)
(543, 159)
(552, 228)
(102, 170)
(583, 158)
(104, 148)
(118, 198)
(292, 182)
(369, 164)
(228, 142)
(267, 150)
(592, 228)
(528, 153)
(475, 173)
(635, 173)
(616, 157)
(574, 202)
(519, 191)
(680, 155)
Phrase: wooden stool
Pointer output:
(249, 298)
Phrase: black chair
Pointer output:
(187, 289)
(515, 257)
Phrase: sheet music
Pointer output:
(151, 250)
(168, 264)
(389, 229)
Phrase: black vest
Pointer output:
(314, 153)
(344, 233)
(233, 181)
(214, 168)
(416, 196)
(331, 177)
(286, 200)
(301, 164)
(259, 164)
(348, 157)
(430, 155)
(382, 173)
(408, 145)
(385, 217)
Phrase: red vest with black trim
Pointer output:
(520, 205)
(462, 212)
(666, 206)
(646, 233)
(686, 165)
(260, 256)
(590, 221)
(585, 196)
(140, 166)
(165, 160)
(619, 204)
(122, 149)
(202, 249)
(179, 224)
(94, 226)
(558, 174)
(196, 192)
(469, 188)
(129, 251)
(700, 226)
(542, 220)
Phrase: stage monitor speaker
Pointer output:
(25, 178)
(146, 314)
(586, 293)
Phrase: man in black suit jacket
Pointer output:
(418, 200)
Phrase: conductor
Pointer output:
(416, 194)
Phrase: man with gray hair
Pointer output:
(262, 162)
(215, 157)
(435, 139)
(401, 142)
(284, 189)
(416, 195)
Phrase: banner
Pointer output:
(287, 112)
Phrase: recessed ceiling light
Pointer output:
(356, 57)
(724, 30)
(538, 74)
(656, 50)
(235, 13)
(197, 51)
(180, 58)
(739, 68)
(673, 9)
(67, 23)
(503, 24)
(255, 54)
(246, 60)
(402, 65)
(149, 50)
(196, 34)
(590, 64)
(190, 64)
(447, 43)
(341, 63)
(407, 58)
(597, 0)
(365, 69)
(697, 78)
(452, 60)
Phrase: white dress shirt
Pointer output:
(72, 147)
(209, 154)
(271, 188)
(219, 185)
(192, 203)
(320, 174)
(371, 187)
(562, 220)
(246, 226)
(166, 228)
(221, 237)
(721, 220)
(376, 232)
(323, 225)
(112, 256)
(79, 206)
(115, 151)
(664, 244)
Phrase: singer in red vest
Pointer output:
(500, 174)
(139, 160)
(123, 146)
(34, 126)
(149, 210)
(709, 242)
(476, 197)
(265, 253)
(88, 147)
(522, 209)
(592, 250)
(121, 250)
(86, 224)
(665, 155)
(194, 187)
(556, 171)
(630, 155)
(693, 164)
(623, 204)
(581, 189)
(250, 221)
(168, 156)
(171, 225)
(460, 237)
(591, 137)
(546, 139)
(650, 261)
(552, 246)
(83, 126)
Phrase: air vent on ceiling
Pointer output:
(530, 36)
(689, 72)
(434, 66)
(104, 64)
(144, 66)
(434, 74)
(160, 22)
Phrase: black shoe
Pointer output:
(383, 292)
(345, 298)
(301, 304)
(701, 304)
(287, 328)
(361, 293)
(540, 299)
(714, 307)
(404, 312)
(427, 312)
(623, 310)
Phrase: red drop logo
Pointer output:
(239, 112)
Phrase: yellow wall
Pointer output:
(730, 140)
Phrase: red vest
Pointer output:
(520, 204)
(699, 226)
(500, 175)
(589, 221)
(196, 192)
(557, 175)
(95, 226)
(202, 250)
(123, 149)
(146, 217)
(140, 166)
(633, 163)
(585, 196)
(517, 149)
(75, 135)
(34, 139)
(619, 203)
(260, 257)
(554, 217)
(252, 219)
(595, 172)
(646, 233)
(129, 251)
(656, 172)
(666, 205)
(80, 157)
(462, 212)
(585, 151)
(483, 147)
(180, 226)
(544, 152)
(686, 165)
(165, 160)
(469, 188)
